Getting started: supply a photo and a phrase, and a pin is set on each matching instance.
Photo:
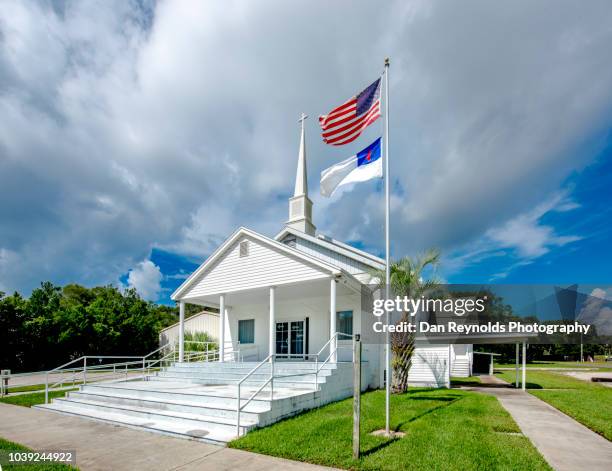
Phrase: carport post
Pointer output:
(524, 364)
(516, 367)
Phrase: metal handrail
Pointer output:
(77, 369)
(331, 353)
(62, 369)
(270, 380)
(271, 359)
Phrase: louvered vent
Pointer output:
(244, 248)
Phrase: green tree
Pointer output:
(12, 340)
(56, 325)
(407, 280)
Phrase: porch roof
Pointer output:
(322, 268)
(299, 291)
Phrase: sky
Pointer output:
(135, 136)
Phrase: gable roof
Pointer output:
(336, 246)
(241, 232)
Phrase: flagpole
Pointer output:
(387, 244)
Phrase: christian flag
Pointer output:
(364, 166)
(345, 123)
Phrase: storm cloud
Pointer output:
(129, 126)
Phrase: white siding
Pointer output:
(316, 308)
(264, 266)
(348, 264)
(430, 366)
(204, 322)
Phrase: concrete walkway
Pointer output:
(564, 443)
(588, 376)
(101, 446)
(492, 380)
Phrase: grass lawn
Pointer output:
(29, 387)
(29, 400)
(445, 429)
(588, 403)
(560, 364)
(6, 447)
(469, 381)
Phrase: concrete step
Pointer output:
(175, 428)
(235, 377)
(195, 421)
(199, 401)
(163, 391)
(251, 365)
(230, 367)
(241, 373)
(251, 412)
(295, 383)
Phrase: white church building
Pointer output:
(299, 294)
(289, 306)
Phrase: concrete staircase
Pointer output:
(199, 400)
(460, 368)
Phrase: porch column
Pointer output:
(332, 320)
(272, 322)
(181, 339)
(524, 365)
(516, 366)
(222, 328)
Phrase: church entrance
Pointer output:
(290, 339)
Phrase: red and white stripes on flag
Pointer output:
(345, 123)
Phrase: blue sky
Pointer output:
(136, 136)
(584, 261)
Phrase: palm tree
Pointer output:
(407, 280)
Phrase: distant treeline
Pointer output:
(545, 352)
(56, 325)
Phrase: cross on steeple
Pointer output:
(301, 177)
(300, 206)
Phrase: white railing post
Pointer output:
(238, 413)
(516, 367)
(84, 369)
(272, 380)
(524, 387)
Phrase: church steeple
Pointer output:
(300, 206)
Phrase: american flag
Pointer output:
(345, 123)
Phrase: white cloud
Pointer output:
(126, 127)
(527, 235)
(146, 278)
(522, 239)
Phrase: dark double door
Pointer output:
(290, 338)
